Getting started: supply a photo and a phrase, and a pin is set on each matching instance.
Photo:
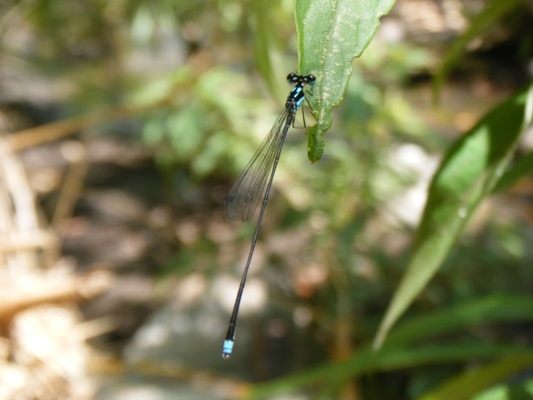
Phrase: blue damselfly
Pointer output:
(255, 183)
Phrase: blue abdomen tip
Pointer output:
(227, 348)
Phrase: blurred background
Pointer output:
(124, 125)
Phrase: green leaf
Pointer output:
(472, 382)
(493, 12)
(267, 47)
(490, 309)
(509, 391)
(367, 361)
(466, 175)
(522, 167)
(397, 354)
(331, 33)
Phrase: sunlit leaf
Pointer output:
(466, 175)
(472, 382)
(331, 33)
(508, 391)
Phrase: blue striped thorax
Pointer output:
(297, 95)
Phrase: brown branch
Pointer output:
(56, 130)
(74, 290)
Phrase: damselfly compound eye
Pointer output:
(292, 78)
(310, 79)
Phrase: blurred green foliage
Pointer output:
(209, 77)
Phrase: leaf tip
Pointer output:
(377, 344)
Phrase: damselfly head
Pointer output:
(295, 78)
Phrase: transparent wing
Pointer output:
(248, 191)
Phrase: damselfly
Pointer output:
(256, 181)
